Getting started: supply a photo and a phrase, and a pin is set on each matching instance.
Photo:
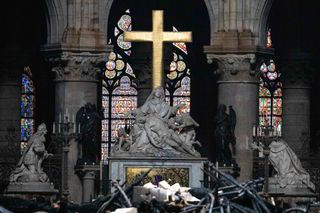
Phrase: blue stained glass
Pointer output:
(27, 102)
(27, 84)
(27, 105)
(26, 128)
(125, 87)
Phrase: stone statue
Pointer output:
(158, 131)
(88, 141)
(29, 167)
(288, 166)
(224, 134)
(187, 133)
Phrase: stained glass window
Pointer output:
(178, 78)
(27, 106)
(119, 94)
(270, 97)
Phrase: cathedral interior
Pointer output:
(63, 50)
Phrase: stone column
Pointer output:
(88, 174)
(296, 73)
(238, 86)
(76, 84)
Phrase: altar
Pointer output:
(186, 171)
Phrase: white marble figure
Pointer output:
(29, 167)
(288, 166)
(158, 131)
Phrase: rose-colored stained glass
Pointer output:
(277, 124)
(104, 133)
(185, 101)
(277, 106)
(264, 106)
(122, 104)
(105, 106)
(270, 81)
(278, 93)
(264, 92)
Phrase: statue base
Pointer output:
(185, 171)
(294, 195)
(31, 190)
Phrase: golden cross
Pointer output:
(157, 36)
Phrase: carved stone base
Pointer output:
(88, 174)
(31, 190)
(186, 171)
(294, 195)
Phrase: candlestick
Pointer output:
(217, 167)
(74, 127)
(67, 115)
(54, 128)
(101, 170)
(60, 117)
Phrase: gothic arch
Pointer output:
(105, 9)
(260, 19)
(104, 13)
(56, 20)
(212, 9)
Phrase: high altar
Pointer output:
(158, 139)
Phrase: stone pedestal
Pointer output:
(186, 171)
(88, 174)
(291, 194)
(31, 190)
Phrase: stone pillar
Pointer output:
(76, 84)
(88, 174)
(10, 97)
(238, 86)
(296, 73)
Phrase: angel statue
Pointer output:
(225, 134)
(29, 167)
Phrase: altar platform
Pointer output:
(185, 171)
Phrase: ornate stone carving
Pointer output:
(71, 66)
(232, 64)
(158, 131)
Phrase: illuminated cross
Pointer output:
(157, 36)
